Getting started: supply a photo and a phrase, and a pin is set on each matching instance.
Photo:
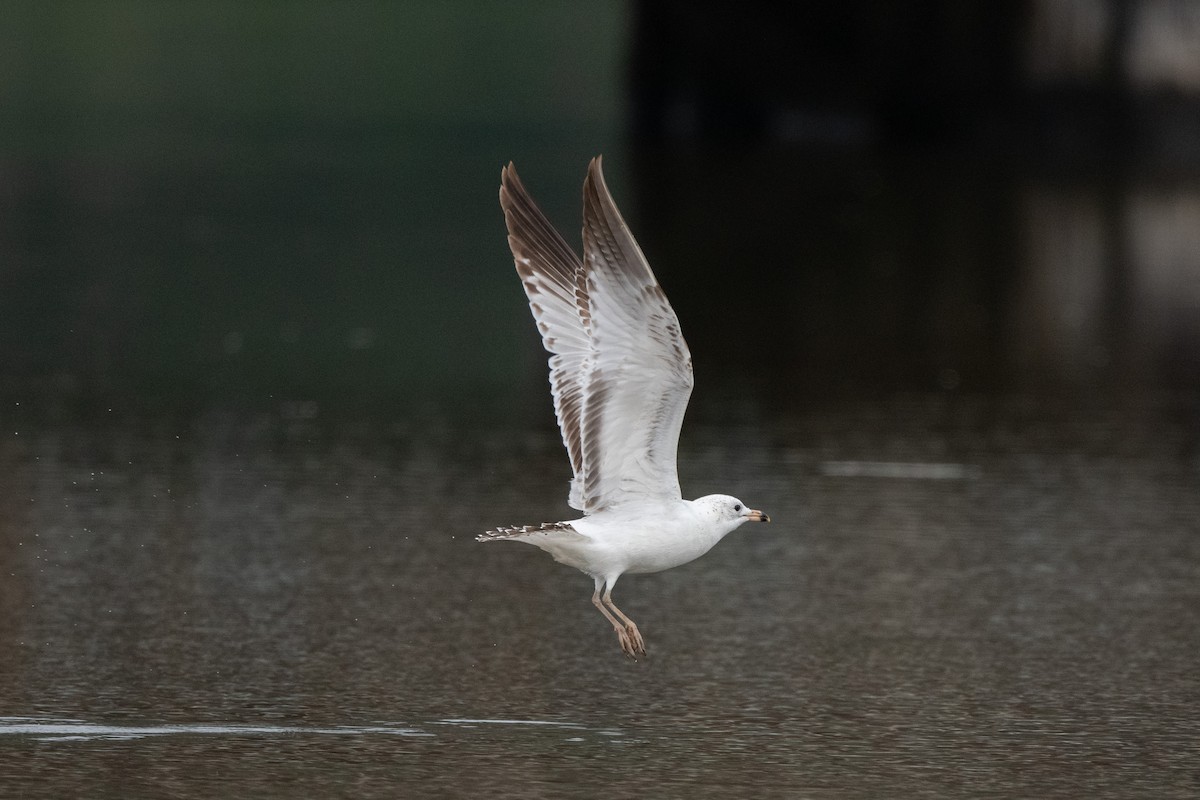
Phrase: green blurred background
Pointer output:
(254, 203)
(229, 200)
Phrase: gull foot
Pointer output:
(631, 641)
(635, 638)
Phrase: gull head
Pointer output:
(727, 512)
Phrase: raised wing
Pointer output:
(620, 371)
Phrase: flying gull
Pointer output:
(621, 375)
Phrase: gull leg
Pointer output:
(627, 644)
(631, 628)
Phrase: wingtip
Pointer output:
(594, 182)
(508, 174)
(508, 178)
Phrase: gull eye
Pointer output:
(737, 507)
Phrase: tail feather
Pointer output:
(518, 531)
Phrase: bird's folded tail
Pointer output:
(527, 531)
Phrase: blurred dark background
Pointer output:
(280, 203)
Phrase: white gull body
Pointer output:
(621, 376)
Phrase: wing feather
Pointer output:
(549, 272)
(620, 370)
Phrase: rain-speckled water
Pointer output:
(957, 597)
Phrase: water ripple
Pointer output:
(60, 729)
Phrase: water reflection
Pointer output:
(1111, 282)
(979, 275)
(47, 729)
(55, 730)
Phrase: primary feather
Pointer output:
(620, 371)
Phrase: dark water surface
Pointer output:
(957, 597)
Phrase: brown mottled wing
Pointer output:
(620, 371)
(551, 274)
